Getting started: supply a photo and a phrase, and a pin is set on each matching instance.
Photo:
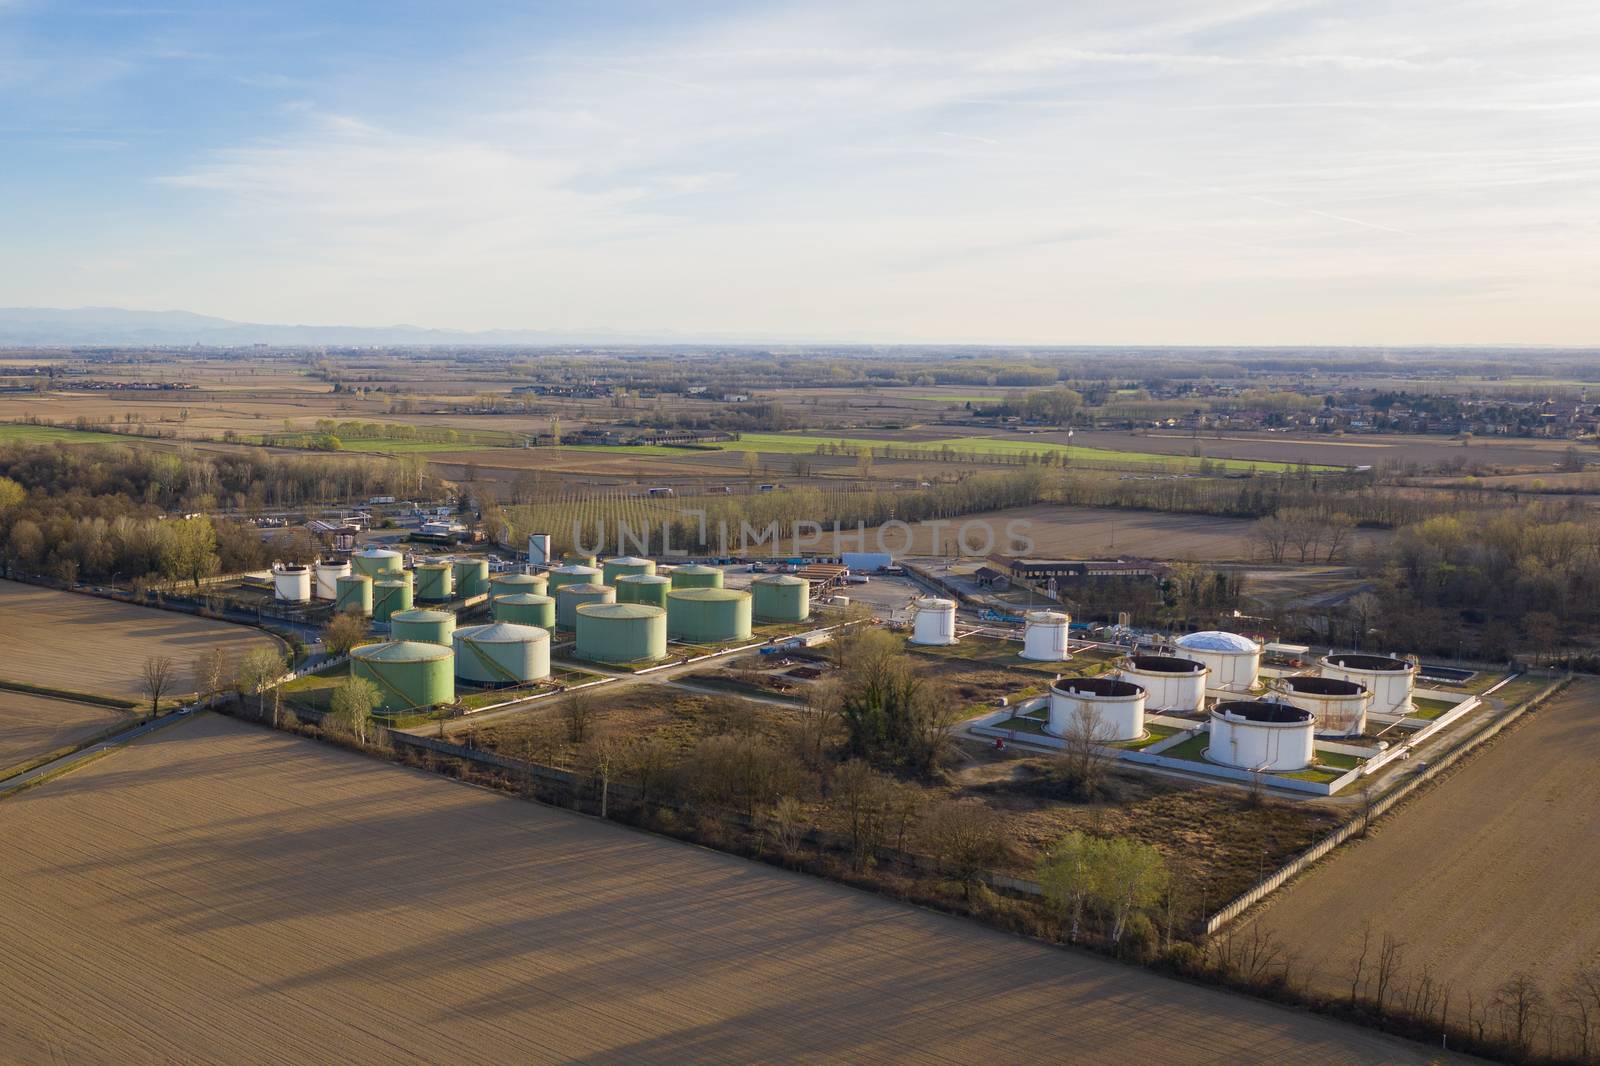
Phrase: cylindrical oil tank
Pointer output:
(1170, 683)
(471, 576)
(1261, 735)
(1234, 661)
(1340, 706)
(568, 597)
(1390, 680)
(422, 625)
(572, 574)
(624, 566)
(390, 596)
(291, 582)
(621, 632)
(644, 588)
(407, 674)
(435, 582)
(354, 593)
(708, 615)
(539, 549)
(935, 621)
(502, 653)
(780, 598)
(375, 562)
(325, 579)
(517, 585)
(526, 609)
(579, 558)
(1044, 636)
(1102, 710)
(695, 576)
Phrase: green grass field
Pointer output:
(1422, 707)
(18, 432)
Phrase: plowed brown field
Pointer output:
(31, 725)
(1490, 873)
(220, 893)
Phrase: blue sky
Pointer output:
(1225, 171)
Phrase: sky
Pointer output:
(1061, 172)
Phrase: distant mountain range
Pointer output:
(80, 326)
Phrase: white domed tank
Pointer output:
(1261, 735)
(1170, 683)
(377, 562)
(935, 622)
(291, 582)
(1390, 680)
(1112, 709)
(501, 653)
(1044, 637)
(1234, 661)
(325, 578)
(1340, 706)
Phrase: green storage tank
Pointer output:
(435, 582)
(644, 588)
(501, 653)
(526, 609)
(407, 674)
(516, 585)
(568, 597)
(579, 559)
(471, 576)
(573, 574)
(376, 562)
(626, 566)
(621, 632)
(354, 593)
(423, 626)
(780, 598)
(390, 596)
(708, 616)
(695, 576)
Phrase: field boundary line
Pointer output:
(93, 699)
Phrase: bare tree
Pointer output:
(860, 798)
(1391, 952)
(1084, 759)
(1582, 997)
(1520, 1003)
(351, 706)
(258, 671)
(788, 825)
(1358, 966)
(157, 678)
(578, 712)
(211, 672)
(343, 632)
(966, 837)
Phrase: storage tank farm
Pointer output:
(423, 626)
(377, 562)
(625, 566)
(650, 589)
(568, 597)
(526, 609)
(695, 576)
(291, 582)
(471, 576)
(1261, 735)
(1170, 683)
(406, 674)
(1112, 710)
(325, 579)
(708, 615)
(580, 558)
(780, 598)
(621, 633)
(934, 623)
(391, 594)
(1390, 680)
(572, 574)
(501, 653)
(517, 585)
(353, 593)
(1044, 636)
(1234, 660)
(1340, 706)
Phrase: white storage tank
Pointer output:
(1390, 680)
(1170, 683)
(327, 577)
(1113, 709)
(1044, 637)
(1234, 661)
(291, 582)
(1340, 706)
(539, 549)
(935, 622)
(501, 653)
(1261, 735)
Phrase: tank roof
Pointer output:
(717, 595)
(1265, 711)
(421, 614)
(1097, 686)
(573, 568)
(934, 603)
(1166, 664)
(393, 582)
(1324, 686)
(379, 553)
(695, 568)
(355, 577)
(503, 633)
(433, 564)
(581, 590)
(1217, 640)
(619, 610)
(628, 560)
(644, 579)
(1053, 618)
(521, 579)
(1358, 661)
(525, 598)
(779, 579)
(401, 651)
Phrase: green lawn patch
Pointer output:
(22, 433)
(1153, 735)
(1422, 707)
(1338, 760)
(1192, 749)
(315, 691)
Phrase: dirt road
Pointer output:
(220, 893)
